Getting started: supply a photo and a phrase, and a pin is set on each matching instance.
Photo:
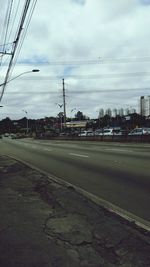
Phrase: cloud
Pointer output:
(69, 31)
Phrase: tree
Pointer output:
(79, 116)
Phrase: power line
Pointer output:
(98, 61)
(81, 91)
(93, 76)
(14, 18)
(17, 39)
(8, 22)
(28, 20)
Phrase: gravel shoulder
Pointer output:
(44, 223)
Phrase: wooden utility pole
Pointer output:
(64, 102)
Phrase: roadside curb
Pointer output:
(129, 217)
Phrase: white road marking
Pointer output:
(47, 149)
(79, 155)
(118, 149)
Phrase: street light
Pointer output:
(4, 84)
(34, 70)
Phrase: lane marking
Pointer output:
(118, 149)
(47, 149)
(79, 155)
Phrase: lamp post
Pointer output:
(34, 70)
(5, 83)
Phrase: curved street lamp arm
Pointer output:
(34, 70)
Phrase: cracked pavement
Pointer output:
(44, 223)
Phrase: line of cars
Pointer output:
(112, 132)
(12, 135)
(100, 132)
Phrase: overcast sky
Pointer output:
(112, 36)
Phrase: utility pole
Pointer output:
(64, 102)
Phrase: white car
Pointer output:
(98, 132)
(90, 133)
(82, 133)
(86, 133)
(140, 131)
(6, 134)
(107, 132)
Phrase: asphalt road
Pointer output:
(118, 173)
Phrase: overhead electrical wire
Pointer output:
(81, 91)
(18, 32)
(4, 28)
(93, 76)
(13, 58)
(98, 61)
(8, 16)
(25, 31)
(14, 18)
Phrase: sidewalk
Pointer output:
(45, 224)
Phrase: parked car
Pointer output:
(108, 132)
(86, 133)
(98, 132)
(82, 133)
(140, 131)
(90, 133)
(6, 134)
(64, 134)
(122, 133)
(13, 136)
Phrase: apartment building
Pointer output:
(145, 105)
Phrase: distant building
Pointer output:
(145, 105)
(76, 124)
